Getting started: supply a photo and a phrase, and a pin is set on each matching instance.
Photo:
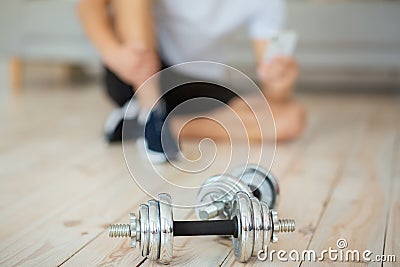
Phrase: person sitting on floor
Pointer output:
(137, 38)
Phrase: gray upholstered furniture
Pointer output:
(333, 34)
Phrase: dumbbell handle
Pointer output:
(217, 227)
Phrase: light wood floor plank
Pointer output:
(70, 228)
(59, 188)
(357, 208)
(61, 185)
(38, 135)
(310, 180)
(186, 249)
(392, 242)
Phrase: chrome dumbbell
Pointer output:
(214, 199)
(252, 226)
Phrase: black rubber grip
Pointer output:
(217, 227)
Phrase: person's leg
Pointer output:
(187, 89)
(134, 25)
(121, 94)
(289, 120)
(289, 116)
(118, 91)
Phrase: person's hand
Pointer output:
(278, 77)
(133, 62)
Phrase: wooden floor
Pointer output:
(61, 185)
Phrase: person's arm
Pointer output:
(134, 25)
(97, 24)
(259, 47)
(126, 43)
(277, 77)
(134, 20)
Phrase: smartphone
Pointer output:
(283, 44)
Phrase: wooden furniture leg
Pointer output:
(16, 74)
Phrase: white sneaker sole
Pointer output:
(118, 115)
(146, 153)
(112, 121)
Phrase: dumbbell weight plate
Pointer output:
(144, 229)
(155, 228)
(258, 226)
(219, 188)
(267, 222)
(167, 228)
(244, 242)
(261, 182)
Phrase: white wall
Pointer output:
(347, 34)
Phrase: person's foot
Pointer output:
(157, 143)
(126, 116)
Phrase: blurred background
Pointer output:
(342, 45)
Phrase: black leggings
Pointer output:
(120, 92)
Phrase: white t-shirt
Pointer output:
(205, 30)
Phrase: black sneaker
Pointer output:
(116, 121)
(157, 144)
